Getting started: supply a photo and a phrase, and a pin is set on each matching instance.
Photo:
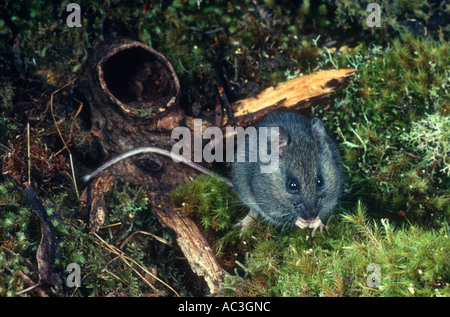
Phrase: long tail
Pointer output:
(152, 149)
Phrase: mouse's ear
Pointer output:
(283, 138)
(318, 131)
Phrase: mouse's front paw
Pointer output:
(244, 223)
(316, 224)
(321, 227)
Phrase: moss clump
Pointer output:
(412, 262)
(396, 17)
(18, 240)
(211, 201)
(431, 137)
(400, 91)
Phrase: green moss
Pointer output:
(210, 200)
(431, 137)
(395, 16)
(413, 262)
(399, 95)
(17, 239)
(290, 263)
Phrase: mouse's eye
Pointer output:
(319, 181)
(292, 186)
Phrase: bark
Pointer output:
(297, 94)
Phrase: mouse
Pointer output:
(302, 191)
(305, 188)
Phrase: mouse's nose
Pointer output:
(311, 214)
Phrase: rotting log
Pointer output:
(108, 85)
(122, 119)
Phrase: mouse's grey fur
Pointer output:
(309, 158)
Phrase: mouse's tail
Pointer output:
(156, 150)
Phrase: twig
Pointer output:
(148, 234)
(122, 257)
(60, 134)
(74, 117)
(125, 259)
(117, 277)
(89, 276)
(8, 203)
(224, 97)
(71, 125)
(111, 225)
(29, 289)
(29, 153)
(28, 281)
(5, 148)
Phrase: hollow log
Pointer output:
(125, 115)
(130, 88)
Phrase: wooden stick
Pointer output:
(190, 240)
(297, 94)
(29, 153)
(62, 139)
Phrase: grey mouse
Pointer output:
(303, 191)
(305, 188)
